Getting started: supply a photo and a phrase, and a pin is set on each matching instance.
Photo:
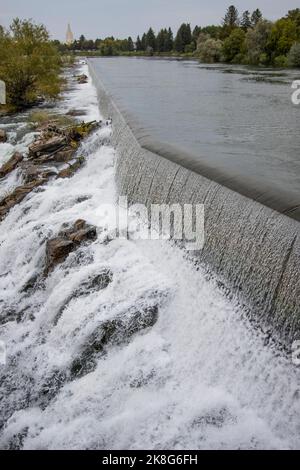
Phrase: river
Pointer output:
(236, 125)
(201, 377)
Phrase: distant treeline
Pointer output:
(247, 38)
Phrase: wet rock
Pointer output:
(71, 169)
(3, 136)
(65, 155)
(112, 332)
(93, 284)
(57, 250)
(68, 240)
(18, 195)
(32, 172)
(76, 112)
(82, 79)
(12, 163)
(46, 146)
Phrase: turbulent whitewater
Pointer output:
(157, 357)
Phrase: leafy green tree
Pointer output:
(282, 38)
(213, 31)
(233, 45)
(29, 64)
(256, 17)
(246, 20)
(257, 43)
(210, 50)
(294, 55)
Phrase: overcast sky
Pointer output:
(121, 18)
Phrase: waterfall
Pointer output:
(128, 344)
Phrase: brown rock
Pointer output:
(64, 155)
(82, 79)
(3, 136)
(68, 172)
(68, 240)
(12, 163)
(57, 250)
(17, 196)
(46, 146)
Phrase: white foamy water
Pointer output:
(201, 377)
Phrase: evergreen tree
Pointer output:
(139, 46)
(144, 42)
(151, 40)
(160, 41)
(231, 19)
(183, 37)
(130, 44)
(246, 21)
(256, 17)
(169, 41)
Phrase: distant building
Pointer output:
(69, 36)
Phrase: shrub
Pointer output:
(29, 64)
(281, 61)
(294, 55)
(210, 50)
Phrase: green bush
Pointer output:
(294, 55)
(281, 61)
(29, 64)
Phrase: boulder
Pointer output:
(3, 136)
(12, 163)
(82, 79)
(68, 240)
(17, 196)
(47, 146)
(71, 169)
(57, 250)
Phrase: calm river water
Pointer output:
(234, 124)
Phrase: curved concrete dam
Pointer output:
(251, 216)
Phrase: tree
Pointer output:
(231, 18)
(169, 41)
(183, 37)
(143, 42)
(294, 55)
(257, 43)
(246, 20)
(233, 45)
(138, 44)
(283, 36)
(210, 50)
(151, 40)
(29, 64)
(195, 34)
(130, 44)
(256, 17)
(161, 39)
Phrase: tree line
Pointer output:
(246, 38)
